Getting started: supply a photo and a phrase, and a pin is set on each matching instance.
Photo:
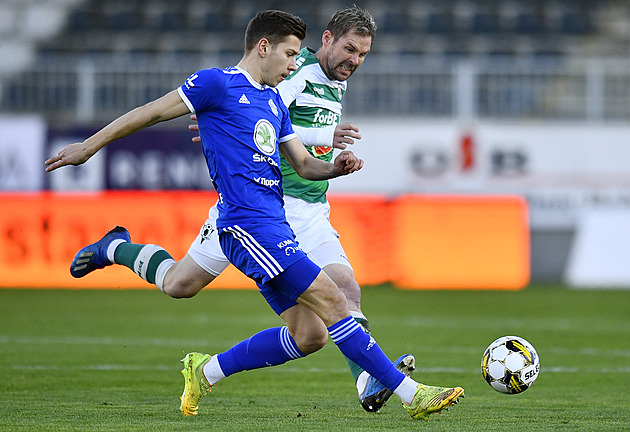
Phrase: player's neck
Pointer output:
(321, 59)
(252, 67)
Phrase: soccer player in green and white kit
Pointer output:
(313, 95)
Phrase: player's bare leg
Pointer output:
(185, 279)
(306, 328)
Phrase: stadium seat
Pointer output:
(171, 21)
(11, 97)
(548, 54)
(84, 20)
(439, 23)
(500, 54)
(574, 23)
(394, 22)
(215, 21)
(484, 23)
(529, 23)
(124, 21)
(455, 53)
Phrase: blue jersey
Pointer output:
(241, 124)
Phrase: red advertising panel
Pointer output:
(415, 242)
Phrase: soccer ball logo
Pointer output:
(510, 365)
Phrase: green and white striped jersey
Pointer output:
(314, 103)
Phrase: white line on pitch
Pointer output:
(124, 367)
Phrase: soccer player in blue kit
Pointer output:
(244, 125)
(313, 94)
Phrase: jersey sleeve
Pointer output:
(290, 88)
(203, 90)
(316, 136)
(286, 128)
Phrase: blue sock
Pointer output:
(362, 349)
(270, 347)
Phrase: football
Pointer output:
(510, 365)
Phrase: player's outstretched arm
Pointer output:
(165, 108)
(338, 136)
(312, 168)
(343, 134)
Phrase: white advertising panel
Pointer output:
(560, 168)
(600, 254)
(402, 156)
(411, 155)
(88, 177)
(22, 141)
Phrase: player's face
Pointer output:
(341, 57)
(280, 60)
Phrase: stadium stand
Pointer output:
(115, 26)
(81, 58)
(25, 24)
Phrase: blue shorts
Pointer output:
(270, 255)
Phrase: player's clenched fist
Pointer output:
(346, 162)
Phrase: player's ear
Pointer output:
(263, 47)
(327, 38)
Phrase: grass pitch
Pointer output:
(109, 360)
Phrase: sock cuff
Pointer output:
(111, 249)
(406, 390)
(288, 344)
(362, 320)
(342, 330)
(213, 371)
(161, 271)
(358, 315)
(141, 265)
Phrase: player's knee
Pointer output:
(180, 289)
(312, 341)
(347, 284)
(180, 282)
(338, 303)
(310, 334)
(325, 299)
(334, 306)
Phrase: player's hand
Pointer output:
(345, 134)
(346, 162)
(195, 128)
(72, 154)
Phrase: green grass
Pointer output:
(109, 360)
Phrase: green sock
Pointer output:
(144, 260)
(355, 369)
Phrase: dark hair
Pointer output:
(275, 26)
(352, 19)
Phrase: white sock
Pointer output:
(406, 390)
(212, 371)
(112, 248)
(161, 273)
(357, 314)
(362, 380)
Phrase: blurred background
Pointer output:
(524, 98)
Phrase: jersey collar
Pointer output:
(334, 83)
(251, 80)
